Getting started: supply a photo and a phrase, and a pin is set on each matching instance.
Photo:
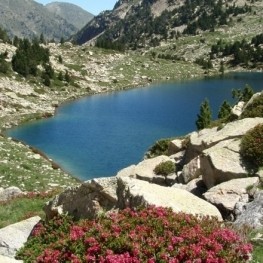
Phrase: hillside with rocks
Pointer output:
(143, 24)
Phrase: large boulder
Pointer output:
(9, 193)
(113, 193)
(145, 171)
(86, 201)
(206, 138)
(225, 196)
(222, 163)
(13, 237)
(135, 193)
(252, 214)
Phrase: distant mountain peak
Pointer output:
(71, 13)
(28, 19)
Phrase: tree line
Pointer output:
(243, 52)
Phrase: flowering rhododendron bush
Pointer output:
(148, 235)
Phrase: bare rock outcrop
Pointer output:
(225, 196)
(86, 201)
(109, 194)
(134, 193)
(13, 237)
(206, 138)
(222, 163)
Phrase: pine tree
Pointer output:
(205, 116)
(225, 110)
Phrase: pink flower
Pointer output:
(76, 232)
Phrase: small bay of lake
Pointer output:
(98, 135)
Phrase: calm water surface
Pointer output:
(101, 134)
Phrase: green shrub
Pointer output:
(254, 109)
(159, 148)
(205, 117)
(251, 148)
(165, 168)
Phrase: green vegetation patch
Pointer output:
(23, 207)
(251, 148)
(165, 168)
(28, 170)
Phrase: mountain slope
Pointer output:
(142, 23)
(71, 13)
(26, 18)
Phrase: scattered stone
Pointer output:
(9, 193)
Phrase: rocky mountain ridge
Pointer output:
(145, 24)
(29, 19)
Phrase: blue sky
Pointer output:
(92, 6)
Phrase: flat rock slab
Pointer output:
(135, 193)
(13, 237)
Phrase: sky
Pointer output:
(92, 6)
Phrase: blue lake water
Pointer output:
(98, 135)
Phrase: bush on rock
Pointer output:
(148, 235)
(165, 168)
(251, 148)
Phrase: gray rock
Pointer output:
(9, 193)
(110, 194)
(222, 163)
(252, 215)
(134, 193)
(226, 195)
(13, 237)
(196, 187)
(86, 201)
(191, 170)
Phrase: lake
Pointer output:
(99, 135)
